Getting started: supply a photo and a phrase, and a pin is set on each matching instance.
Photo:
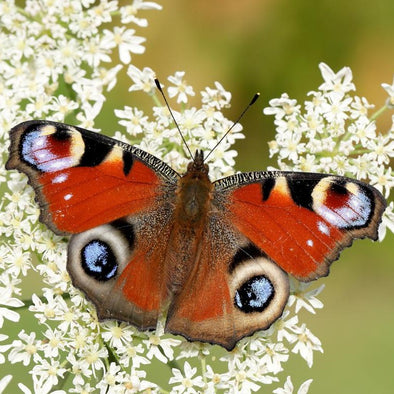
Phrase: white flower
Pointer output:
(381, 148)
(383, 180)
(306, 344)
(133, 119)
(305, 299)
(92, 357)
(160, 348)
(143, 79)
(273, 355)
(186, 381)
(4, 382)
(24, 348)
(387, 221)
(47, 372)
(79, 369)
(126, 41)
(108, 77)
(181, 89)
(289, 388)
(3, 348)
(340, 82)
(217, 98)
(117, 334)
(284, 106)
(6, 300)
(128, 13)
(215, 380)
(243, 376)
(54, 343)
(98, 51)
(110, 378)
(132, 354)
(390, 90)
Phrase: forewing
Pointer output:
(301, 220)
(83, 179)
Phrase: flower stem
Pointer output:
(378, 113)
(204, 370)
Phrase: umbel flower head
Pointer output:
(55, 65)
(332, 132)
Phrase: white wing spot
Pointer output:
(309, 242)
(323, 228)
(60, 178)
(67, 196)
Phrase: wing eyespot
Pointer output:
(98, 260)
(259, 290)
(254, 295)
(100, 254)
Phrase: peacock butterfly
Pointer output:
(216, 254)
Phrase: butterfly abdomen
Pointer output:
(192, 204)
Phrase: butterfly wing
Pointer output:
(302, 220)
(121, 267)
(115, 199)
(83, 179)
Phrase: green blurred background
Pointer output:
(274, 47)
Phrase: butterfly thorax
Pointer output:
(194, 193)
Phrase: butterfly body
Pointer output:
(216, 254)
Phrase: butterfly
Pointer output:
(215, 255)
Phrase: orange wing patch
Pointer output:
(80, 198)
(142, 283)
(296, 238)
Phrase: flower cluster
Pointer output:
(333, 133)
(56, 56)
(201, 127)
(55, 64)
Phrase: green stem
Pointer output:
(378, 113)
(204, 370)
(171, 363)
(156, 100)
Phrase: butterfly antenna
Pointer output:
(173, 117)
(254, 99)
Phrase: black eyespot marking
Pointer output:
(127, 162)
(254, 295)
(339, 187)
(95, 152)
(98, 260)
(267, 186)
(248, 252)
(127, 230)
(301, 191)
(61, 134)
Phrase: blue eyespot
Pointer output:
(98, 260)
(254, 295)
